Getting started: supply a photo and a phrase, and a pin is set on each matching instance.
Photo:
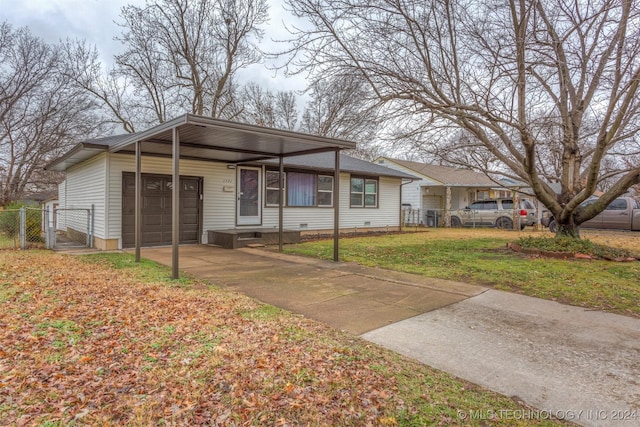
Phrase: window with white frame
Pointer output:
(272, 188)
(325, 190)
(303, 189)
(364, 192)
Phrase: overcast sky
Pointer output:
(94, 21)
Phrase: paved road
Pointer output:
(578, 364)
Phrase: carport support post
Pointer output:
(281, 202)
(175, 205)
(447, 207)
(138, 203)
(336, 207)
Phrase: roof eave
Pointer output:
(83, 146)
(141, 136)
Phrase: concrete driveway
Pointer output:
(345, 296)
(580, 365)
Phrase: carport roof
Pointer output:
(205, 138)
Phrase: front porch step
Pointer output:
(240, 238)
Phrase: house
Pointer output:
(229, 180)
(441, 189)
(49, 212)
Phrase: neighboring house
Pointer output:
(50, 212)
(229, 175)
(441, 189)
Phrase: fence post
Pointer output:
(47, 241)
(23, 228)
(54, 230)
(93, 216)
(88, 227)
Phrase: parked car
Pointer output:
(622, 214)
(494, 213)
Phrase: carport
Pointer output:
(204, 138)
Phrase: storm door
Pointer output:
(249, 207)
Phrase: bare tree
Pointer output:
(179, 56)
(41, 112)
(342, 107)
(265, 108)
(545, 89)
(112, 92)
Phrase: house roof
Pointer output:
(325, 162)
(446, 175)
(205, 138)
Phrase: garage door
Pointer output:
(156, 209)
(431, 202)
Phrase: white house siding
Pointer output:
(62, 201)
(386, 214)
(459, 197)
(85, 186)
(218, 205)
(412, 192)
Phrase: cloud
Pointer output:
(95, 21)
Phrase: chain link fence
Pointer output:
(71, 228)
(35, 227)
(22, 228)
(424, 217)
(462, 218)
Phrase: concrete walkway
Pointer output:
(580, 365)
(345, 296)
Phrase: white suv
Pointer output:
(494, 213)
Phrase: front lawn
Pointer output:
(480, 256)
(100, 340)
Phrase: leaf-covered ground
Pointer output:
(85, 343)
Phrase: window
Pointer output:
(507, 204)
(301, 189)
(364, 193)
(618, 205)
(371, 193)
(485, 205)
(482, 195)
(272, 188)
(325, 190)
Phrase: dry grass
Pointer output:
(479, 256)
(107, 344)
(629, 240)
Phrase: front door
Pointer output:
(249, 207)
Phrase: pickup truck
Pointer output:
(622, 214)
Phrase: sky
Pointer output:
(95, 21)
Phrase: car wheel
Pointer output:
(504, 223)
(553, 226)
(455, 222)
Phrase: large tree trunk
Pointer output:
(568, 229)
